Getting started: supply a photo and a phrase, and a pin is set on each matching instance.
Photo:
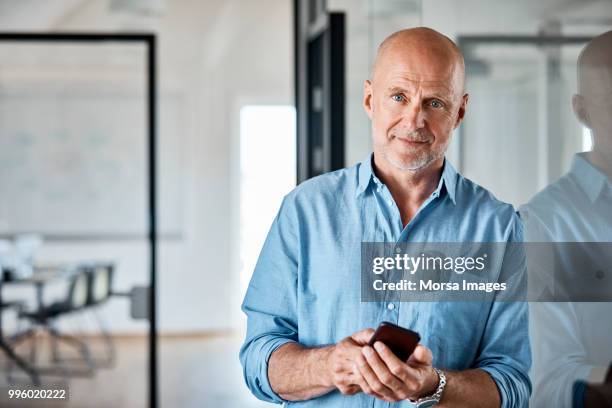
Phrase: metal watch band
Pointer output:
(434, 398)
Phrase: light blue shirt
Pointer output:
(306, 284)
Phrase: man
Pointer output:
(571, 340)
(307, 335)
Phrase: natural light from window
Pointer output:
(267, 174)
(587, 140)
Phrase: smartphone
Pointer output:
(400, 340)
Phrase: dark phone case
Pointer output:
(400, 340)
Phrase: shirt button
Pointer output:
(390, 306)
(390, 202)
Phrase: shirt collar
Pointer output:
(590, 180)
(449, 176)
(366, 176)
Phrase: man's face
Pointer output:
(414, 102)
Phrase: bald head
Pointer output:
(595, 66)
(432, 50)
(593, 103)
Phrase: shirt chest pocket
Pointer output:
(454, 332)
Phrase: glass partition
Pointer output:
(75, 229)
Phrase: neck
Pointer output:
(600, 161)
(408, 188)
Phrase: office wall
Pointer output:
(213, 56)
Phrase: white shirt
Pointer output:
(570, 341)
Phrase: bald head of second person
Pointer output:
(415, 98)
(593, 102)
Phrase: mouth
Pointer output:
(412, 142)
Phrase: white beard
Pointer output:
(415, 165)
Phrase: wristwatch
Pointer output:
(434, 398)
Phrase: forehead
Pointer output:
(411, 70)
(442, 86)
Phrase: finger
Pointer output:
(383, 374)
(363, 336)
(381, 369)
(366, 389)
(421, 356)
(397, 367)
(373, 384)
(363, 384)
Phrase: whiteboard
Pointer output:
(73, 159)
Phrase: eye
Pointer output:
(435, 103)
(398, 98)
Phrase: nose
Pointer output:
(413, 116)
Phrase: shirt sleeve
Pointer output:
(270, 304)
(504, 351)
(559, 355)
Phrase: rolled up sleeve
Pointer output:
(505, 351)
(506, 355)
(270, 304)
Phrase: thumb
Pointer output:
(421, 356)
(363, 336)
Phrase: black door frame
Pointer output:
(319, 58)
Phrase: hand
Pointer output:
(343, 360)
(390, 379)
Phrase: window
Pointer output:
(587, 139)
(267, 174)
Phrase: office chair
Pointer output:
(45, 318)
(99, 290)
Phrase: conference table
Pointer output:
(41, 276)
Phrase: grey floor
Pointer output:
(195, 371)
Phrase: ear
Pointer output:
(461, 112)
(367, 98)
(580, 110)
